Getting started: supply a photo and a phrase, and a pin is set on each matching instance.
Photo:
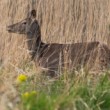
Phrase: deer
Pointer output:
(52, 57)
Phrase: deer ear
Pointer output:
(33, 13)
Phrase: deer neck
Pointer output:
(34, 44)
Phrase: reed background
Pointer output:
(61, 21)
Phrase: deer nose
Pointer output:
(8, 28)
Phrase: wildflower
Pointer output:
(21, 78)
(25, 95)
(29, 94)
(33, 93)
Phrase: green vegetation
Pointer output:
(77, 92)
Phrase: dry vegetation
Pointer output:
(61, 21)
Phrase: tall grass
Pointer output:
(61, 21)
(77, 92)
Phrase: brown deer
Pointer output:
(54, 57)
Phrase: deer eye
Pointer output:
(24, 23)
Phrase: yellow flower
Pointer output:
(21, 78)
(26, 94)
(29, 94)
(33, 93)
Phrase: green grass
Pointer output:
(76, 92)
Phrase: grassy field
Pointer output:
(75, 91)
(61, 21)
(72, 93)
